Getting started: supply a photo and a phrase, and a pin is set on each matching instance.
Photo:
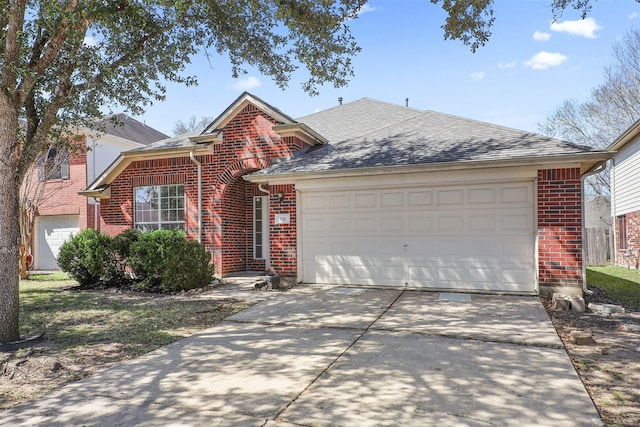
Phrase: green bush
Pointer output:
(156, 261)
(116, 273)
(86, 257)
(149, 254)
(186, 267)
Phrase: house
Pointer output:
(625, 196)
(364, 193)
(63, 211)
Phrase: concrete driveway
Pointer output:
(321, 355)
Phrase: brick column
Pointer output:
(560, 231)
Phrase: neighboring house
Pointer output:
(64, 212)
(364, 193)
(625, 196)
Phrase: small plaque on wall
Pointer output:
(282, 218)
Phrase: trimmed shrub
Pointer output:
(148, 256)
(86, 257)
(186, 267)
(116, 273)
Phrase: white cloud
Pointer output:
(478, 75)
(543, 60)
(511, 64)
(247, 84)
(582, 27)
(541, 37)
(366, 8)
(634, 15)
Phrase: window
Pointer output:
(260, 227)
(622, 231)
(56, 165)
(159, 207)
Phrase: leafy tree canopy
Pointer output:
(610, 109)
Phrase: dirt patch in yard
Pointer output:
(114, 327)
(609, 366)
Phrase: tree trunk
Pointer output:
(9, 222)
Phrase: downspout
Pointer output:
(583, 178)
(263, 190)
(614, 215)
(96, 206)
(96, 201)
(199, 165)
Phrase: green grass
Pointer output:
(88, 330)
(618, 283)
(49, 277)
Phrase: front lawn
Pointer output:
(618, 283)
(90, 330)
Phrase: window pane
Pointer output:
(159, 206)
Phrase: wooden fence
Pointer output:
(597, 247)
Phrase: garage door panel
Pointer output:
(340, 201)
(450, 197)
(516, 222)
(314, 226)
(420, 198)
(392, 199)
(483, 224)
(420, 224)
(50, 234)
(367, 224)
(457, 237)
(482, 196)
(389, 225)
(340, 224)
(516, 195)
(364, 200)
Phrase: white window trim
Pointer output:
(159, 223)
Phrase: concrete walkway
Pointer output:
(327, 356)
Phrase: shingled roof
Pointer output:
(369, 133)
(126, 127)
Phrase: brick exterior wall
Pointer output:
(61, 195)
(633, 241)
(283, 237)
(559, 229)
(249, 143)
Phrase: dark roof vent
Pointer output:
(340, 101)
(406, 102)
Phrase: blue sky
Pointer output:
(527, 69)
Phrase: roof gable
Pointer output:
(238, 105)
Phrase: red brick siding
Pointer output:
(633, 241)
(559, 228)
(249, 143)
(63, 198)
(282, 237)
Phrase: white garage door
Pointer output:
(472, 237)
(50, 233)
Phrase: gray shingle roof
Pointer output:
(168, 143)
(129, 128)
(369, 133)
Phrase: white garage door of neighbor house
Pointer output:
(471, 237)
(50, 233)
